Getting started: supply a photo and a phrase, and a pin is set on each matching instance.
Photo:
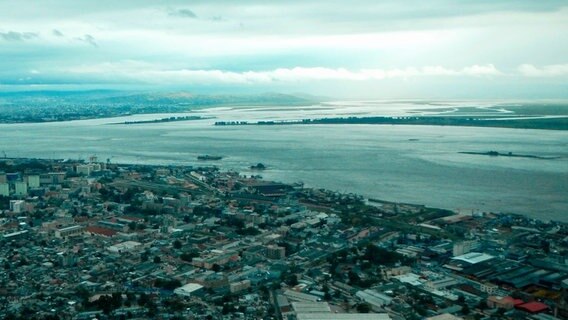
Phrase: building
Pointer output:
(4, 189)
(532, 307)
(99, 231)
(56, 177)
(375, 299)
(69, 231)
(463, 247)
(473, 258)
(20, 188)
(444, 316)
(342, 316)
(311, 307)
(33, 181)
(239, 286)
(503, 302)
(442, 283)
(300, 297)
(12, 177)
(489, 287)
(83, 169)
(190, 289)
(17, 206)
(126, 246)
(275, 252)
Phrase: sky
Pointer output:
(354, 49)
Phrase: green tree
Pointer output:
(363, 308)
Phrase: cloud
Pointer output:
(17, 36)
(148, 73)
(555, 70)
(57, 33)
(88, 39)
(183, 13)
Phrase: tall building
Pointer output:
(33, 181)
(57, 177)
(4, 189)
(84, 169)
(21, 188)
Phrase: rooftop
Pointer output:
(474, 257)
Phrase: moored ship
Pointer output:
(208, 157)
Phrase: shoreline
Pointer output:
(366, 198)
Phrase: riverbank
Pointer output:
(551, 123)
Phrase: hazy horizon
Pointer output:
(366, 50)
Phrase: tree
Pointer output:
(157, 259)
(144, 299)
(177, 244)
(188, 256)
(363, 308)
(116, 299)
(466, 310)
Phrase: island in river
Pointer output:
(547, 123)
(508, 154)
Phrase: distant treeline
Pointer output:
(169, 119)
(542, 123)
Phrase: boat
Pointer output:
(258, 166)
(208, 157)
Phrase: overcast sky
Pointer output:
(352, 49)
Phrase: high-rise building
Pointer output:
(4, 189)
(84, 169)
(21, 188)
(33, 181)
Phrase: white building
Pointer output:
(375, 299)
(239, 286)
(17, 206)
(69, 231)
(343, 316)
(84, 169)
(189, 289)
(21, 188)
(4, 189)
(322, 311)
(440, 283)
(473, 257)
(126, 246)
(33, 181)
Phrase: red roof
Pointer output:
(514, 301)
(533, 307)
(101, 231)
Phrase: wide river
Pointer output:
(413, 164)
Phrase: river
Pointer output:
(414, 164)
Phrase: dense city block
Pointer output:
(96, 239)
